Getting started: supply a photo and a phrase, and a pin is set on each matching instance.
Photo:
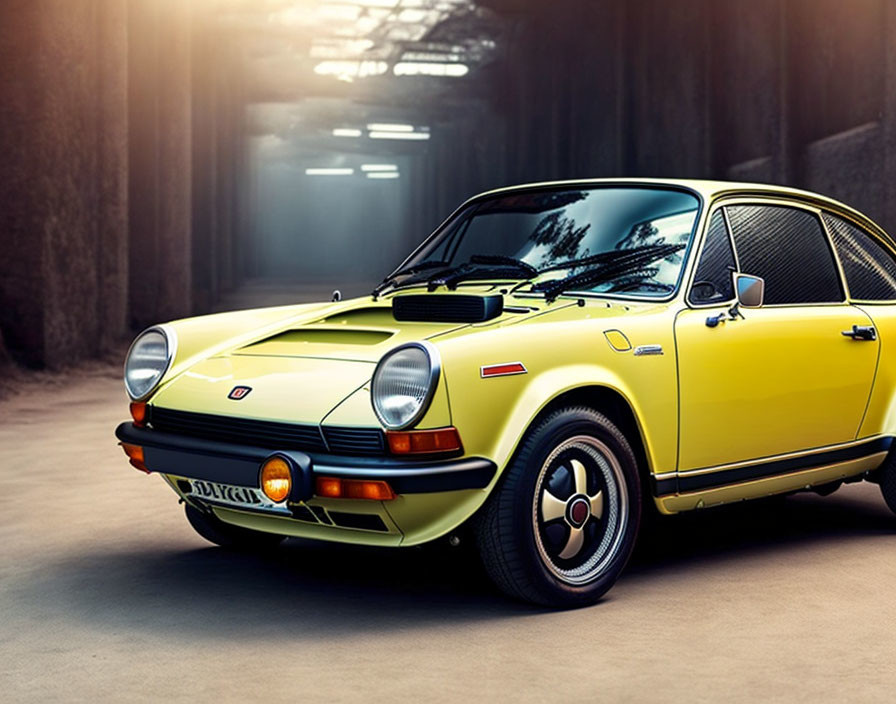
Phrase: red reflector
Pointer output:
(502, 369)
(335, 488)
(135, 456)
(138, 413)
(412, 442)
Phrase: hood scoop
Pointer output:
(450, 308)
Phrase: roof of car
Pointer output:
(705, 188)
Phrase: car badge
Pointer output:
(648, 350)
(238, 393)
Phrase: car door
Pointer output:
(869, 267)
(779, 378)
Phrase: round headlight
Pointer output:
(403, 384)
(147, 361)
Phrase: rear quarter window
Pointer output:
(869, 267)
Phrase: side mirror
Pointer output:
(750, 290)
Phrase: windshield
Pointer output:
(626, 240)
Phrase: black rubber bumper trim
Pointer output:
(736, 475)
(228, 463)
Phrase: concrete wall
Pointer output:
(63, 270)
(102, 179)
(160, 161)
(799, 92)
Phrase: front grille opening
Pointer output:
(355, 441)
(362, 521)
(302, 513)
(184, 486)
(272, 435)
(321, 515)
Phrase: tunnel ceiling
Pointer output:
(313, 67)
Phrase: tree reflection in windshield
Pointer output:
(562, 237)
(643, 233)
(545, 229)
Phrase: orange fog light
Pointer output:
(411, 442)
(138, 413)
(135, 456)
(371, 490)
(276, 479)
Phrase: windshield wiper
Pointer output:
(603, 267)
(501, 260)
(480, 266)
(621, 263)
(612, 255)
(407, 271)
(484, 266)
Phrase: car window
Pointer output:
(712, 280)
(587, 228)
(788, 248)
(870, 269)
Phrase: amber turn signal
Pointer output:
(135, 456)
(420, 442)
(138, 413)
(336, 488)
(276, 479)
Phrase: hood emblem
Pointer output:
(238, 393)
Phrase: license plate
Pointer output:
(235, 496)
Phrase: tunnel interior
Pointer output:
(159, 158)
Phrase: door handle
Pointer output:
(861, 332)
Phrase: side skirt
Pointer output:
(683, 491)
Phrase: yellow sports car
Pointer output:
(551, 361)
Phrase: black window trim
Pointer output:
(713, 209)
(874, 237)
(784, 202)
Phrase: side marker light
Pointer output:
(421, 442)
(135, 456)
(138, 413)
(336, 488)
(505, 369)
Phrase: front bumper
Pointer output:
(238, 465)
(432, 497)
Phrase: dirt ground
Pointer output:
(106, 594)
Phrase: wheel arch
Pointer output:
(608, 401)
(611, 403)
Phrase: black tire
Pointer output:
(886, 475)
(227, 536)
(528, 548)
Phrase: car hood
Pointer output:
(300, 369)
(291, 389)
(363, 331)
